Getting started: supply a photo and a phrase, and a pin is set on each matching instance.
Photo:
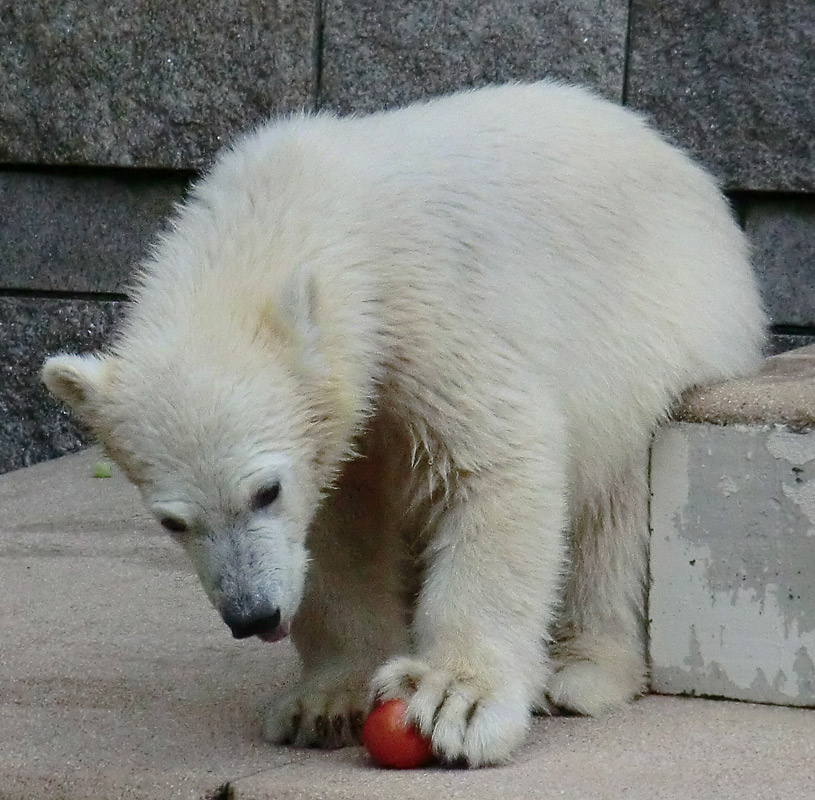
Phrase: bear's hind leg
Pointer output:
(599, 659)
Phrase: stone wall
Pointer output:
(107, 110)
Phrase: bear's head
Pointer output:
(231, 441)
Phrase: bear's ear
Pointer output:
(299, 301)
(300, 305)
(76, 380)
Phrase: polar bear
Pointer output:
(391, 381)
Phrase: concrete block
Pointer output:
(732, 598)
(148, 83)
(782, 231)
(80, 232)
(732, 602)
(34, 427)
(383, 54)
(732, 81)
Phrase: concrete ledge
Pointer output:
(782, 393)
(732, 596)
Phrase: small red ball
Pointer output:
(393, 742)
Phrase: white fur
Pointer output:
(448, 332)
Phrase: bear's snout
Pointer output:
(252, 617)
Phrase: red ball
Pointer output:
(393, 742)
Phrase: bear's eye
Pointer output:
(264, 497)
(173, 524)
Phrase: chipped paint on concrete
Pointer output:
(732, 601)
(796, 448)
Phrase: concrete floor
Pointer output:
(118, 680)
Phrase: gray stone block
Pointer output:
(782, 231)
(146, 83)
(734, 81)
(80, 233)
(379, 54)
(784, 342)
(34, 426)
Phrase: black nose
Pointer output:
(251, 618)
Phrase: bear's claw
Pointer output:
(318, 716)
(466, 720)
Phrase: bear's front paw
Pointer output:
(468, 718)
(319, 712)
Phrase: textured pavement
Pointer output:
(118, 680)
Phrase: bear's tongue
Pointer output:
(280, 632)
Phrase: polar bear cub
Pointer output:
(391, 380)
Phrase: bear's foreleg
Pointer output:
(353, 616)
(490, 588)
